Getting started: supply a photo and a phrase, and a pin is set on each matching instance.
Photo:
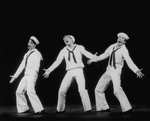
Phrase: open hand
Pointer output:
(89, 61)
(46, 74)
(93, 59)
(139, 73)
(12, 79)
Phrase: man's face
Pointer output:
(68, 41)
(121, 41)
(31, 45)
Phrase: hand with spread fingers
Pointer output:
(93, 59)
(12, 79)
(46, 74)
(139, 73)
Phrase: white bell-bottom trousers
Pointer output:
(78, 75)
(114, 75)
(27, 84)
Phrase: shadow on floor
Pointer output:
(76, 113)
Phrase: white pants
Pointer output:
(27, 84)
(114, 75)
(70, 75)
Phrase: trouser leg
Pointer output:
(62, 91)
(101, 103)
(119, 93)
(21, 101)
(83, 92)
(35, 101)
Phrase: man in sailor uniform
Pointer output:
(72, 53)
(30, 64)
(117, 54)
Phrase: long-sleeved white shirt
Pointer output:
(63, 54)
(32, 65)
(120, 55)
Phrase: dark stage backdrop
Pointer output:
(94, 25)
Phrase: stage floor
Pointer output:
(76, 113)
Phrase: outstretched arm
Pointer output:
(86, 53)
(102, 56)
(98, 58)
(131, 64)
(54, 65)
(19, 70)
(51, 68)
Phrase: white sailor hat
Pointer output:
(70, 36)
(123, 35)
(34, 40)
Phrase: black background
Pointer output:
(94, 24)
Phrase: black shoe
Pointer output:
(27, 111)
(60, 112)
(40, 113)
(107, 110)
(128, 112)
(88, 112)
